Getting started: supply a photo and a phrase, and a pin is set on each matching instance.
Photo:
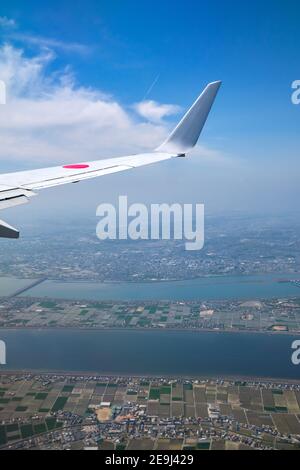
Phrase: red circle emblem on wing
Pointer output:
(76, 167)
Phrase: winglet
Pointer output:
(185, 135)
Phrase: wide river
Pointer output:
(155, 352)
(209, 288)
(177, 353)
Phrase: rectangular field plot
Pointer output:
(177, 409)
(286, 424)
(259, 419)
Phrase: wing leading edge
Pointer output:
(17, 188)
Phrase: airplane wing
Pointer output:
(17, 188)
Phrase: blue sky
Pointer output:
(249, 153)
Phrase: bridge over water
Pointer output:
(35, 283)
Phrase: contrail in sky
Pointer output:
(151, 86)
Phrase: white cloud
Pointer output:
(48, 118)
(47, 43)
(10, 31)
(7, 22)
(154, 111)
(24, 76)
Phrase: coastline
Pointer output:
(142, 329)
(155, 281)
(116, 375)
